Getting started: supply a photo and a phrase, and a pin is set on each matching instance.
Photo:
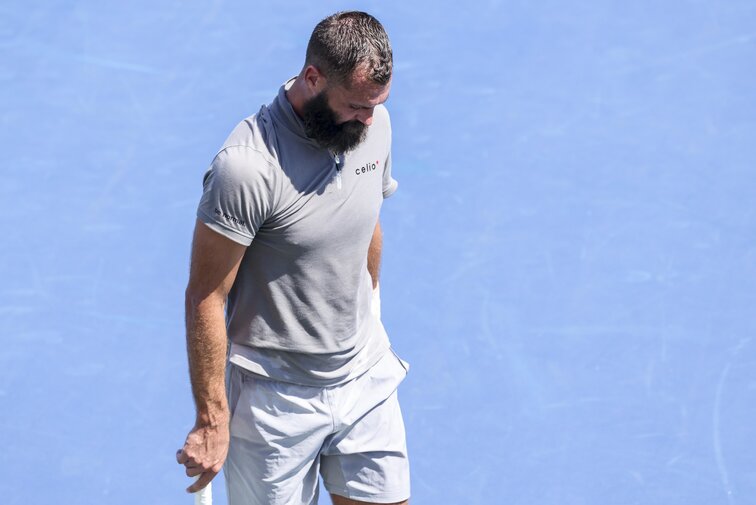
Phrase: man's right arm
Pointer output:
(214, 265)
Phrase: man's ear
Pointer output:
(314, 79)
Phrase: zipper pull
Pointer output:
(337, 159)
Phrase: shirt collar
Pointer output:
(284, 114)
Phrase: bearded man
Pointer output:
(292, 372)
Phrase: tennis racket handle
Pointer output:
(204, 496)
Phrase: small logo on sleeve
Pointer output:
(367, 168)
(229, 217)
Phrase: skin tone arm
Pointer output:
(374, 253)
(215, 262)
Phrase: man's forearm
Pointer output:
(206, 347)
(374, 254)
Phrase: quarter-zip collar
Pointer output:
(284, 115)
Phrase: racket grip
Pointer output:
(204, 496)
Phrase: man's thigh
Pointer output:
(277, 431)
(367, 462)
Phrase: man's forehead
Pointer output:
(364, 92)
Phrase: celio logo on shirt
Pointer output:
(367, 167)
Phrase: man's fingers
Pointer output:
(203, 455)
(183, 458)
(203, 481)
(193, 471)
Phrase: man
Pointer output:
(285, 262)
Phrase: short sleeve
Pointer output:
(237, 194)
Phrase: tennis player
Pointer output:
(292, 372)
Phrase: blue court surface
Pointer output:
(569, 261)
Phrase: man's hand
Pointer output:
(204, 453)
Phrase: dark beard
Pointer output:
(321, 125)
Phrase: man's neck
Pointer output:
(297, 96)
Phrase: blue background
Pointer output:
(569, 263)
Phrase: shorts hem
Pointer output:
(388, 497)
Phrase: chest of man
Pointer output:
(325, 203)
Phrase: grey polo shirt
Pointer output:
(299, 310)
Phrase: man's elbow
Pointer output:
(197, 299)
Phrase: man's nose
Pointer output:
(365, 117)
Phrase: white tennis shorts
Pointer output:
(284, 435)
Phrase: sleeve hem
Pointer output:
(387, 192)
(224, 230)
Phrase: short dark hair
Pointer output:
(349, 41)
